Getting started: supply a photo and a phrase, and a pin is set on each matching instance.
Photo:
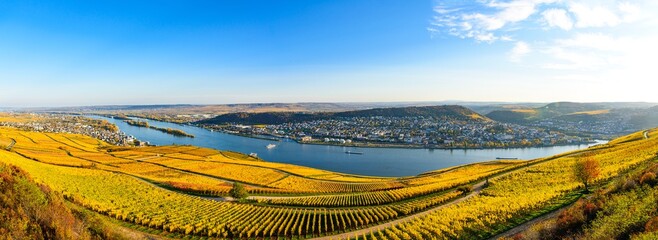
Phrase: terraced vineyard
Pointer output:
(135, 185)
(520, 194)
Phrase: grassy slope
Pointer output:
(33, 211)
(623, 208)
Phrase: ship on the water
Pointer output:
(356, 153)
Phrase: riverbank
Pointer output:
(385, 145)
(369, 144)
(144, 124)
(410, 146)
(381, 161)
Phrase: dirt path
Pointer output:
(11, 145)
(477, 188)
(523, 227)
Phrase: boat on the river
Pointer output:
(356, 153)
(270, 146)
(507, 158)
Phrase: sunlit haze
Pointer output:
(71, 53)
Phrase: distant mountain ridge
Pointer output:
(646, 120)
(562, 110)
(604, 116)
(453, 112)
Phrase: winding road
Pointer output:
(477, 188)
(523, 227)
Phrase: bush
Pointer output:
(590, 209)
(648, 178)
(571, 219)
(629, 185)
(652, 225)
(238, 191)
(464, 189)
(33, 211)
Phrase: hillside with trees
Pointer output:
(452, 112)
(602, 120)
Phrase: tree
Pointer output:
(586, 170)
(238, 191)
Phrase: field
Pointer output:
(179, 190)
(521, 194)
(594, 112)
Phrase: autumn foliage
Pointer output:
(586, 170)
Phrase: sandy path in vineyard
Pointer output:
(525, 226)
(477, 188)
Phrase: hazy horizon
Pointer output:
(79, 53)
(385, 104)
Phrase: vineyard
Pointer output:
(520, 194)
(133, 184)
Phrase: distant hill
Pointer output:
(263, 118)
(648, 119)
(549, 111)
(450, 111)
(629, 116)
(446, 111)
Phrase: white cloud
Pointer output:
(593, 16)
(520, 50)
(464, 22)
(594, 41)
(558, 18)
(598, 38)
(485, 37)
(603, 52)
(629, 12)
(572, 59)
(514, 11)
(608, 46)
(486, 20)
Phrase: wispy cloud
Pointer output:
(482, 20)
(585, 35)
(558, 18)
(520, 50)
(594, 16)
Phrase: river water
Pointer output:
(373, 161)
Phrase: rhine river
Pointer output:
(374, 161)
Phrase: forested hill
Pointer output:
(548, 111)
(450, 112)
(572, 111)
(600, 120)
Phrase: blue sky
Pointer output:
(69, 53)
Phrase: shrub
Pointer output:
(238, 191)
(648, 178)
(652, 225)
(629, 184)
(464, 189)
(590, 209)
(571, 219)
